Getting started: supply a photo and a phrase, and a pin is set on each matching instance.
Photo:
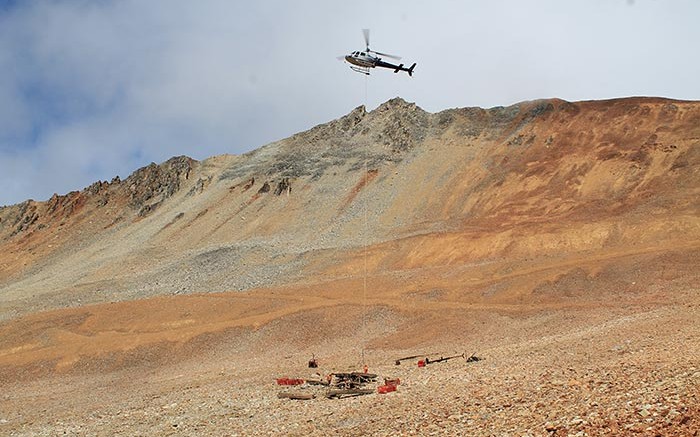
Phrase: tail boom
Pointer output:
(396, 68)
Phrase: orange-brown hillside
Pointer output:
(566, 234)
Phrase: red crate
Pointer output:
(383, 389)
(289, 381)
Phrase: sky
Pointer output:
(92, 89)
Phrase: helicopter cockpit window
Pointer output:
(362, 54)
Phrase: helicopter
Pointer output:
(362, 61)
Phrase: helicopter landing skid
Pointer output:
(363, 70)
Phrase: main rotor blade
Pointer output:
(365, 32)
(387, 55)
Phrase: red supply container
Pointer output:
(421, 363)
(383, 389)
(289, 381)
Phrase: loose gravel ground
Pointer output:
(631, 372)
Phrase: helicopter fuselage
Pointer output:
(363, 61)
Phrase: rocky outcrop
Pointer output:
(142, 192)
(151, 185)
(384, 135)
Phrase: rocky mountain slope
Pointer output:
(421, 190)
(517, 228)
